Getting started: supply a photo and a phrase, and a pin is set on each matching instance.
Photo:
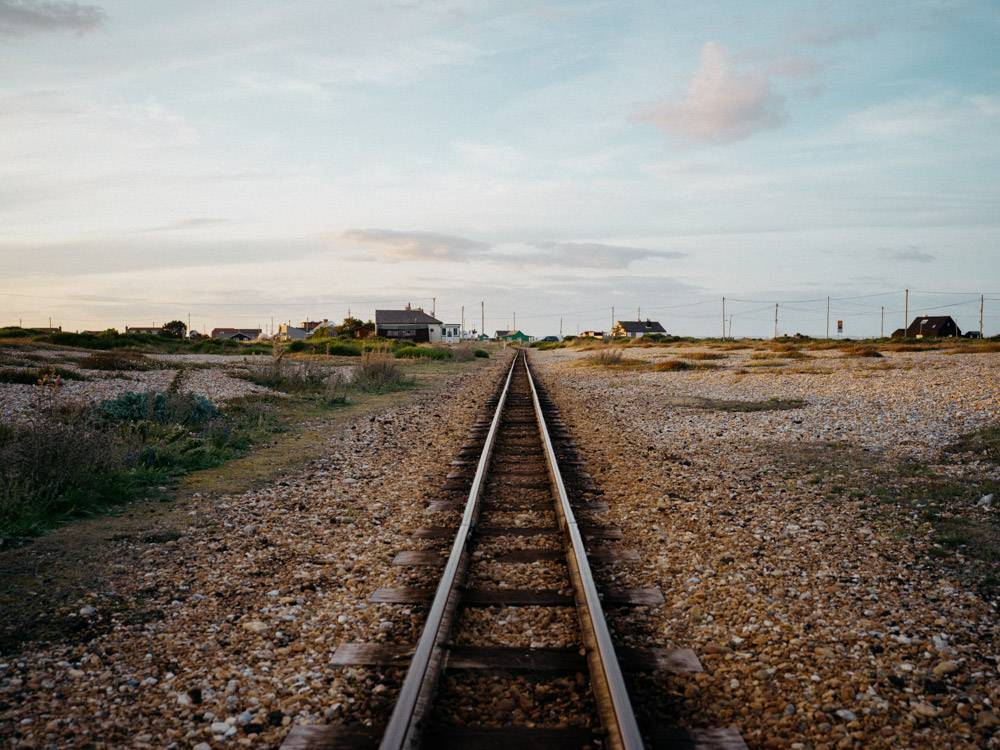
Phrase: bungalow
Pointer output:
(636, 329)
(145, 330)
(236, 334)
(935, 326)
(409, 324)
(591, 335)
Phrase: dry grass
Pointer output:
(789, 353)
(862, 351)
(978, 347)
(702, 356)
(671, 365)
(614, 358)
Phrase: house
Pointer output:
(512, 336)
(551, 339)
(288, 332)
(935, 326)
(451, 333)
(591, 335)
(236, 334)
(409, 324)
(145, 330)
(318, 328)
(636, 329)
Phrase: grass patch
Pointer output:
(862, 351)
(782, 351)
(118, 361)
(613, 358)
(704, 356)
(40, 376)
(985, 442)
(771, 404)
(423, 352)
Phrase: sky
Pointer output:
(247, 162)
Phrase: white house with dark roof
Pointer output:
(410, 324)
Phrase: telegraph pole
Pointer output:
(981, 298)
(612, 320)
(434, 304)
(828, 317)
(515, 322)
(775, 320)
(560, 327)
(482, 312)
(906, 311)
(461, 331)
(882, 329)
(723, 318)
(638, 313)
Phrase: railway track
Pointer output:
(516, 648)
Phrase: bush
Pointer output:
(481, 353)
(343, 349)
(423, 352)
(378, 373)
(297, 346)
(670, 365)
(33, 377)
(862, 351)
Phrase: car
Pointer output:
(551, 338)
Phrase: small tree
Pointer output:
(175, 329)
(355, 328)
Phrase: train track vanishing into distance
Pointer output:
(518, 501)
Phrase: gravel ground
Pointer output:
(818, 626)
(223, 636)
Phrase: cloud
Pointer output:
(722, 104)
(392, 246)
(910, 254)
(593, 254)
(833, 35)
(19, 17)
(197, 222)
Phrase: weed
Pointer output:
(423, 352)
(771, 404)
(985, 441)
(378, 373)
(118, 361)
(862, 351)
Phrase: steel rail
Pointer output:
(416, 693)
(607, 682)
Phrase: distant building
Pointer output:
(933, 326)
(412, 325)
(592, 335)
(147, 330)
(512, 336)
(451, 333)
(236, 334)
(636, 329)
(288, 332)
(551, 339)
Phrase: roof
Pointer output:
(403, 317)
(501, 334)
(641, 326)
(249, 332)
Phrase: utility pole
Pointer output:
(482, 312)
(723, 318)
(906, 311)
(775, 320)
(515, 321)
(982, 297)
(461, 331)
(612, 320)
(730, 326)
(638, 313)
(560, 327)
(434, 305)
(828, 317)
(189, 325)
(881, 333)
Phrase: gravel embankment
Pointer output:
(222, 638)
(816, 624)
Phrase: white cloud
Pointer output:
(18, 17)
(911, 254)
(594, 254)
(722, 104)
(390, 245)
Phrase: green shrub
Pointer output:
(378, 373)
(185, 409)
(481, 353)
(297, 346)
(343, 349)
(13, 332)
(32, 377)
